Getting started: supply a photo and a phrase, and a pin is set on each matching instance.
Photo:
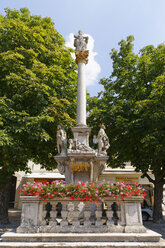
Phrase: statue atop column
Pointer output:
(80, 41)
(80, 162)
(103, 141)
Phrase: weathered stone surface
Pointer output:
(80, 41)
(61, 140)
(95, 168)
(82, 56)
(83, 244)
(81, 209)
(103, 141)
(135, 229)
(83, 217)
(149, 236)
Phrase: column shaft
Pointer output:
(81, 95)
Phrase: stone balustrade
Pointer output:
(72, 216)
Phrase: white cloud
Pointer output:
(92, 68)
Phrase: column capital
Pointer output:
(81, 56)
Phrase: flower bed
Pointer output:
(82, 191)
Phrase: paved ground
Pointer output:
(159, 228)
(14, 217)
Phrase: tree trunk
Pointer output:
(4, 201)
(158, 198)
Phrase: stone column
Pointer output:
(81, 96)
(81, 60)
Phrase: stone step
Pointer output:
(149, 236)
(160, 244)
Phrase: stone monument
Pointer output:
(80, 162)
(71, 223)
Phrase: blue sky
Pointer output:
(107, 21)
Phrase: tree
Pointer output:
(37, 92)
(132, 106)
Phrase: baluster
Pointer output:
(115, 217)
(81, 208)
(48, 208)
(92, 218)
(104, 217)
(58, 215)
(70, 208)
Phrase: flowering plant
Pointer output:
(89, 191)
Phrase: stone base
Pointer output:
(149, 236)
(160, 244)
(135, 229)
(77, 228)
(86, 228)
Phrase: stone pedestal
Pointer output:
(76, 228)
(81, 133)
(81, 166)
(31, 213)
(33, 219)
(132, 216)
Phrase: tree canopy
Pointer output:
(37, 90)
(132, 106)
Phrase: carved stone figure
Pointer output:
(83, 147)
(80, 41)
(103, 141)
(70, 144)
(61, 140)
(75, 145)
(61, 168)
(101, 168)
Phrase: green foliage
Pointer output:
(132, 106)
(37, 90)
